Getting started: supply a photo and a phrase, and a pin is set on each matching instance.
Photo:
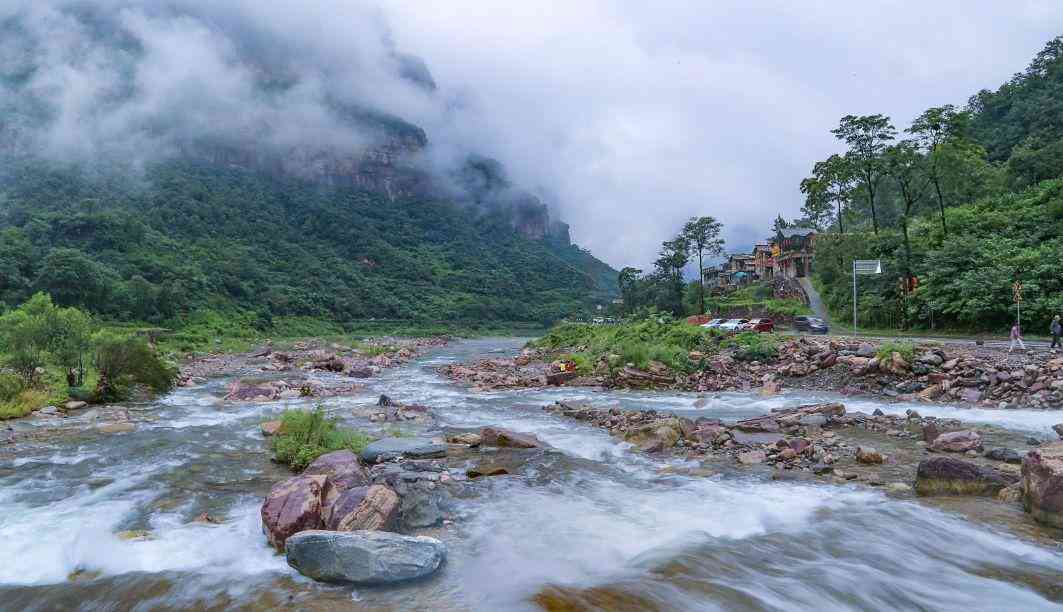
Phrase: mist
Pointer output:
(626, 119)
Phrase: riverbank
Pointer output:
(891, 369)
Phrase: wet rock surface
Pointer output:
(364, 557)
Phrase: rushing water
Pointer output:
(592, 524)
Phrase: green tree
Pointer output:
(939, 130)
(74, 279)
(674, 256)
(830, 186)
(702, 237)
(910, 170)
(867, 137)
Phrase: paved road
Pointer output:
(1000, 344)
(814, 301)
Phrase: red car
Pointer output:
(759, 325)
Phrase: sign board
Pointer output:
(867, 266)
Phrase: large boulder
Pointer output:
(386, 449)
(957, 441)
(502, 438)
(1042, 483)
(363, 509)
(364, 557)
(292, 506)
(342, 468)
(951, 476)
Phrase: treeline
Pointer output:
(186, 237)
(959, 204)
(664, 289)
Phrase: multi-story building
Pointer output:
(792, 251)
(763, 262)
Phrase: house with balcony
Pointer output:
(793, 250)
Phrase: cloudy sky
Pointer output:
(628, 117)
(638, 115)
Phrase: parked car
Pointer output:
(759, 325)
(801, 323)
(733, 325)
(713, 324)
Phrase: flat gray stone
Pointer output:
(411, 448)
(364, 557)
(744, 438)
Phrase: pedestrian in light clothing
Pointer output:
(1057, 329)
(1016, 338)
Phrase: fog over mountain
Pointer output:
(627, 118)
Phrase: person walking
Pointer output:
(1016, 338)
(1057, 329)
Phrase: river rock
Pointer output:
(292, 506)
(743, 438)
(656, 436)
(486, 469)
(957, 441)
(112, 428)
(270, 428)
(1058, 428)
(411, 448)
(342, 469)
(247, 391)
(1006, 455)
(469, 439)
(75, 405)
(868, 455)
(364, 508)
(752, 457)
(507, 439)
(1042, 483)
(364, 557)
(764, 424)
(951, 476)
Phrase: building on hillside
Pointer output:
(763, 262)
(793, 250)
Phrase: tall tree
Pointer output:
(937, 130)
(702, 235)
(627, 281)
(830, 185)
(867, 137)
(908, 167)
(674, 256)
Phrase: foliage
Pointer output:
(887, 349)
(22, 404)
(125, 360)
(753, 346)
(305, 435)
(39, 332)
(637, 342)
(185, 238)
(702, 237)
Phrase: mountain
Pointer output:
(266, 176)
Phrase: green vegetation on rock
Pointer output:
(305, 435)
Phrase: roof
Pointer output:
(796, 231)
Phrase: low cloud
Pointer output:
(628, 118)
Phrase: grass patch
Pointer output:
(24, 403)
(637, 343)
(753, 346)
(886, 350)
(306, 435)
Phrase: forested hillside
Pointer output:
(960, 205)
(186, 236)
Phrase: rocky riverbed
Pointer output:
(559, 498)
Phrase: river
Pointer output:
(593, 523)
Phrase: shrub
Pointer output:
(23, 403)
(123, 361)
(306, 435)
(906, 349)
(11, 385)
(753, 346)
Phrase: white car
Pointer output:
(713, 324)
(733, 325)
